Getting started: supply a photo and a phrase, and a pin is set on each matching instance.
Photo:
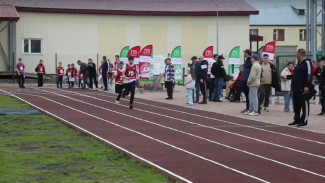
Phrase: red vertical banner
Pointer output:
(269, 49)
(208, 55)
(135, 52)
(145, 63)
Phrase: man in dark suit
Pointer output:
(105, 67)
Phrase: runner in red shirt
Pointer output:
(60, 74)
(20, 68)
(40, 69)
(131, 76)
(119, 81)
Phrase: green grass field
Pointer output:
(39, 148)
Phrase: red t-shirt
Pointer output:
(69, 72)
(118, 76)
(131, 72)
(60, 71)
(100, 70)
(40, 69)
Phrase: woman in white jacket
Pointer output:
(190, 85)
(286, 85)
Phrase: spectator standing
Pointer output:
(74, 73)
(20, 68)
(269, 79)
(40, 69)
(195, 67)
(246, 72)
(190, 85)
(60, 74)
(92, 74)
(219, 72)
(212, 79)
(301, 85)
(105, 70)
(286, 85)
(169, 75)
(85, 73)
(320, 74)
(254, 83)
(203, 77)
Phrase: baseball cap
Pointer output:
(248, 51)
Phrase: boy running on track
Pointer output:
(60, 73)
(131, 77)
(119, 83)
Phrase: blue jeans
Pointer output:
(189, 96)
(287, 96)
(197, 90)
(218, 88)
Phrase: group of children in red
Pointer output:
(125, 78)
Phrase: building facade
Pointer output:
(283, 21)
(66, 35)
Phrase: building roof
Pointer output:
(8, 13)
(137, 7)
(278, 12)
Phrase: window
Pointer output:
(32, 46)
(302, 34)
(253, 32)
(278, 35)
(301, 12)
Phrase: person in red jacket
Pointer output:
(74, 73)
(20, 68)
(119, 81)
(40, 69)
(60, 74)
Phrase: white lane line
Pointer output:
(204, 126)
(152, 138)
(196, 136)
(102, 139)
(224, 121)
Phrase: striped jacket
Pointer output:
(169, 73)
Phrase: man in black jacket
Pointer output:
(92, 74)
(85, 72)
(105, 67)
(203, 77)
(301, 85)
(320, 74)
(219, 72)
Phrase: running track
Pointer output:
(185, 144)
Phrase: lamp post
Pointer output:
(217, 3)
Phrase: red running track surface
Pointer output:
(188, 145)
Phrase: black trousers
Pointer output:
(21, 81)
(203, 87)
(242, 87)
(129, 88)
(105, 81)
(300, 104)
(211, 88)
(322, 98)
(169, 87)
(91, 79)
(59, 82)
(40, 80)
